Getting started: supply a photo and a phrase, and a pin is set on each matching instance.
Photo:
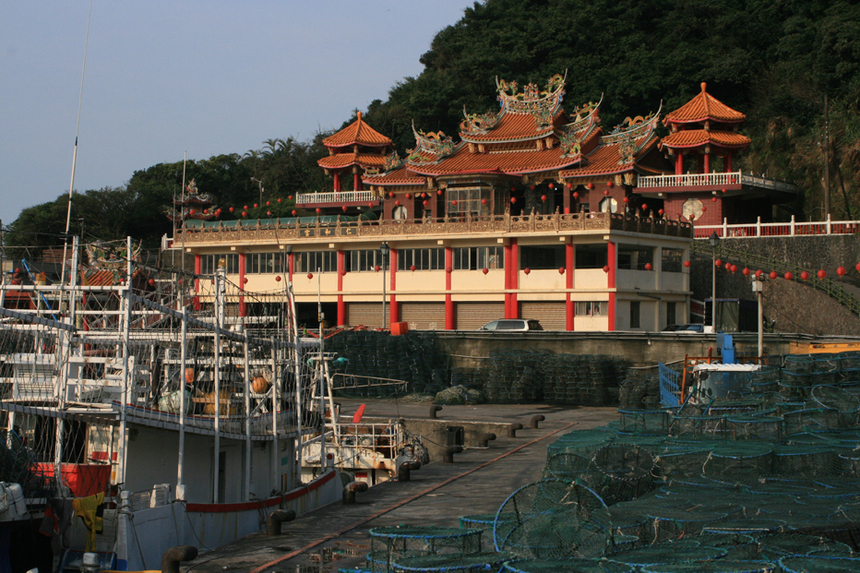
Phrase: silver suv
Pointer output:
(513, 325)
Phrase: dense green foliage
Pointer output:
(774, 60)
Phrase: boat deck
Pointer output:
(477, 482)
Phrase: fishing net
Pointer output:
(719, 566)
(552, 519)
(574, 565)
(390, 544)
(490, 561)
(674, 552)
(565, 465)
(624, 472)
(806, 563)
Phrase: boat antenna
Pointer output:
(75, 152)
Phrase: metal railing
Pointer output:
(337, 197)
(790, 228)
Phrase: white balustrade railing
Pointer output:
(335, 197)
(790, 228)
(713, 180)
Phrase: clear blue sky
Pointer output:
(199, 76)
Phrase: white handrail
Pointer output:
(336, 197)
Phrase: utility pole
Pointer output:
(826, 160)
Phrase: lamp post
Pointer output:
(714, 240)
(260, 183)
(757, 285)
(383, 250)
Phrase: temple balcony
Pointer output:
(328, 199)
(734, 181)
(324, 228)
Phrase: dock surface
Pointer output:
(477, 482)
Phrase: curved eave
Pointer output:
(489, 138)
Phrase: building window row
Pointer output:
(591, 308)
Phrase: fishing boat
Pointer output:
(146, 408)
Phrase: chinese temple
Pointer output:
(533, 212)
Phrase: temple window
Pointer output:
(672, 260)
(591, 256)
(634, 257)
(316, 261)
(421, 259)
(477, 258)
(542, 256)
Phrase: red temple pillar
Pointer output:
(290, 265)
(728, 162)
(568, 284)
(450, 319)
(611, 256)
(394, 306)
(356, 181)
(337, 186)
(679, 162)
(707, 163)
(198, 268)
(508, 266)
(515, 278)
(341, 271)
(243, 311)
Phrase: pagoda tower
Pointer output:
(706, 128)
(357, 148)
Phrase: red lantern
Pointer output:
(268, 213)
(713, 199)
(279, 199)
(687, 264)
(425, 202)
(527, 270)
(245, 280)
(454, 202)
(439, 192)
(788, 276)
(294, 212)
(606, 191)
(645, 207)
(255, 205)
(370, 205)
(543, 198)
(532, 186)
(821, 274)
(244, 213)
(448, 270)
(231, 209)
(290, 197)
(483, 201)
(398, 203)
(626, 199)
(648, 266)
(485, 270)
(310, 276)
(758, 274)
(569, 186)
(660, 211)
(409, 195)
(609, 184)
(773, 275)
(857, 267)
(723, 190)
(413, 268)
(804, 275)
(561, 270)
(840, 271)
(423, 195)
(376, 268)
(181, 281)
(343, 273)
(277, 278)
(343, 208)
(192, 211)
(268, 204)
(734, 268)
(513, 188)
(391, 194)
(605, 268)
(590, 185)
(551, 186)
(319, 210)
(513, 200)
(718, 262)
(151, 282)
(704, 209)
(245, 207)
(746, 271)
(576, 196)
(205, 211)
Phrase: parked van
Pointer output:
(512, 325)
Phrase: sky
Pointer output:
(202, 77)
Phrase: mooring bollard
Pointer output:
(433, 409)
(483, 441)
(276, 518)
(536, 419)
(173, 556)
(512, 429)
(404, 472)
(448, 458)
(350, 490)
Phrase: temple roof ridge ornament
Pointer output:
(634, 128)
(392, 161)
(532, 100)
(479, 123)
(429, 147)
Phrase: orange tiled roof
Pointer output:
(358, 133)
(704, 107)
(604, 161)
(99, 278)
(339, 160)
(698, 137)
(507, 162)
(513, 127)
(400, 176)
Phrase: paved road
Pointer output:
(477, 482)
